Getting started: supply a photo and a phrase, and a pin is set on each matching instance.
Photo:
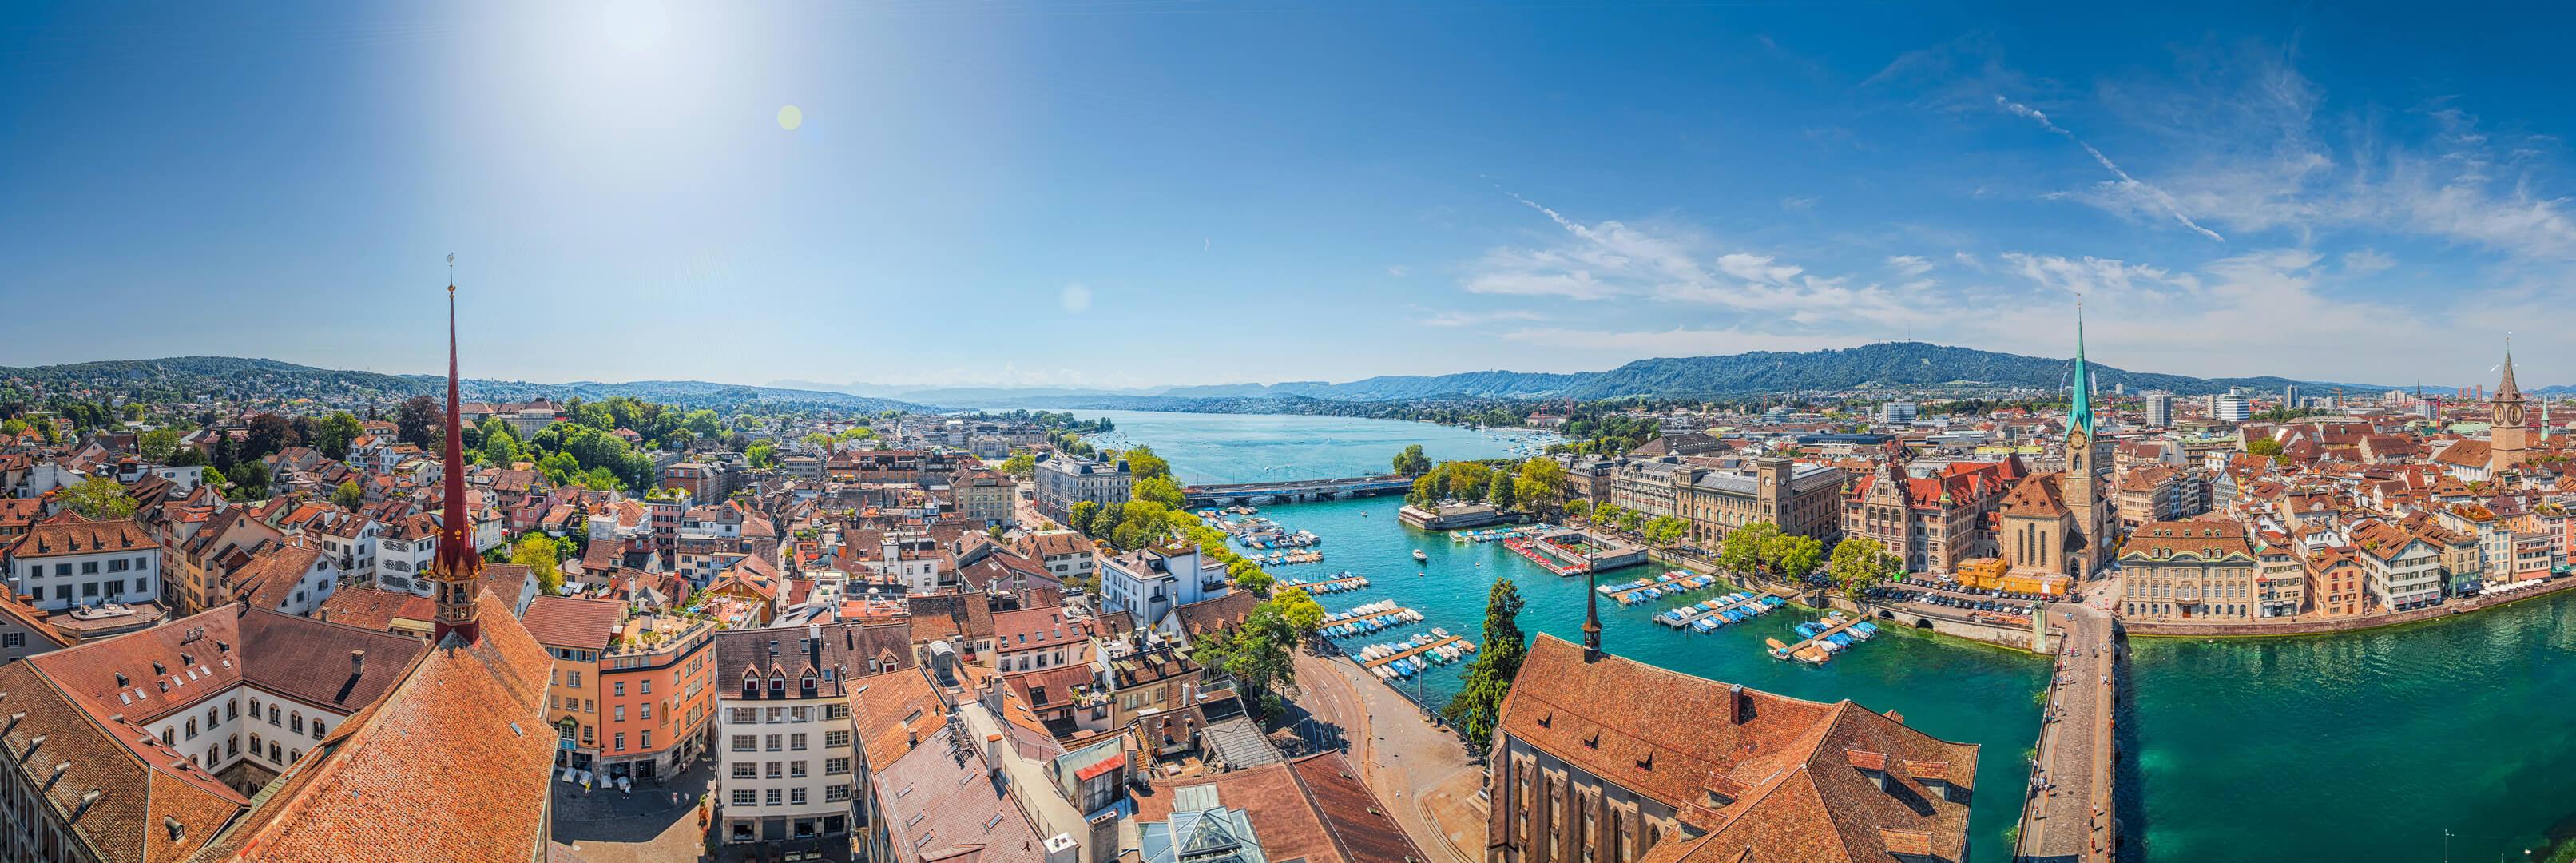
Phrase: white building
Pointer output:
(1899, 412)
(1152, 582)
(1064, 480)
(2232, 407)
(2159, 410)
(64, 566)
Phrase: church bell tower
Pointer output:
(452, 573)
(2510, 436)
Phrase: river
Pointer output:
(2365, 746)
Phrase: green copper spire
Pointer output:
(2081, 417)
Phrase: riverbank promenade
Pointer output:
(2068, 812)
(1421, 771)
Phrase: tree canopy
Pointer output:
(1478, 707)
(98, 499)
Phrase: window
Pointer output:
(233, 708)
(836, 739)
(772, 797)
(317, 728)
(589, 706)
(272, 714)
(294, 756)
(192, 728)
(13, 639)
(620, 713)
(232, 744)
(796, 770)
(572, 679)
(836, 766)
(745, 715)
(796, 742)
(296, 721)
(796, 796)
(619, 689)
(273, 752)
(745, 743)
(836, 711)
(89, 567)
(773, 743)
(647, 740)
(836, 793)
(586, 734)
(648, 686)
(254, 744)
(621, 741)
(775, 769)
(746, 770)
(648, 710)
(744, 797)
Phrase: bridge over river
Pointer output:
(1297, 491)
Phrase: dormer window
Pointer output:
(750, 686)
(809, 684)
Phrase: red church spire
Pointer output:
(453, 571)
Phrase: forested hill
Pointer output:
(1896, 364)
(194, 378)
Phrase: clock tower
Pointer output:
(2510, 437)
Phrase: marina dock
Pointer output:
(1526, 548)
(1373, 617)
(1809, 650)
(1321, 586)
(1748, 603)
(1393, 658)
(1672, 583)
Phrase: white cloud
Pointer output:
(1910, 265)
(1076, 297)
(2127, 187)
(1461, 319)
(1398, 270)
(2363, 262)
(1678, 341)
(1799, 205)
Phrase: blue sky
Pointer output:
(983, 192)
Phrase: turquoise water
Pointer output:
(2365, 746)
(1951, 689)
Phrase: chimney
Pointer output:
(1735, 704)
(357, 663)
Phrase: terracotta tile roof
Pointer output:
(2037, 496)
(59, 538)
(586, 624)
(894, 712)
(376, 608)
(270, 578)
(120, 825)
(469, 717)
(1223, 613)
(1312, 809)
(936, 808)
(1796, 793)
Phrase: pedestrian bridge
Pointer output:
(1296, 491)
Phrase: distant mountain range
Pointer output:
(191, 377)
(1887, 364)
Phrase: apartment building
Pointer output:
(787, 766)
(656, 687)
(2189, 570)
(71, 565)
(574, 632)
(1064, 480)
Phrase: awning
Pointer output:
(1107, 764)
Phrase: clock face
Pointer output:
(2510, 414)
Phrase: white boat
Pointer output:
(1419, 557)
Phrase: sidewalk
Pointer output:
(605, 825)
(1421, 772)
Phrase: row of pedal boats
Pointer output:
(1730, 617)
(1671, 584)
(1406, 668)
(1375, 616)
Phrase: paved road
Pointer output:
(1420, 771)
(608, 826)
(2069, 811)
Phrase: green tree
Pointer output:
(98, 499)
(1083, 515)
(252, 478)
(1426, 491)
(1478, 707)
(2265, 447)
(1301, 611)
(1020, 464)
(762, 455)
(418, 421)
(1742, 549)
(1501, 492)
(1142, 462)
(703, 424)
(542, 555)
(188, 456)
(820, 441)
(157, 445)
(348, 496)
(1793, 556)
(332, 436)
(1578, 508)
(1258, 654)
(1541, 484)
(1858, 564)
(1665, 530)
(1159, 490)
(1249, 576)
(212, 477)
(13, 427)
(1411, 462)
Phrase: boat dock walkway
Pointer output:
(1794, 649)
(1326, 585)
(1524, 548)
(1668, 581)
(1427, 648)
(1689, 617)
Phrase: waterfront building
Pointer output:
(1064, 480)
(1645, 485)
(1933, 523)
(1601, 759)
(2338, 584)
(2280, 577)
(2403, 572)
(1801, 499)
(2062, 521)
(2188, 570)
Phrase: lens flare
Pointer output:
(790, 117)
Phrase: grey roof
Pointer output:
(1240, 743)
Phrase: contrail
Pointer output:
(2159, 195)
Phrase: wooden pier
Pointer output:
(1793, 650)
(1686, 620)
(1679, 576)
(1427, 648)
(1329, 585)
